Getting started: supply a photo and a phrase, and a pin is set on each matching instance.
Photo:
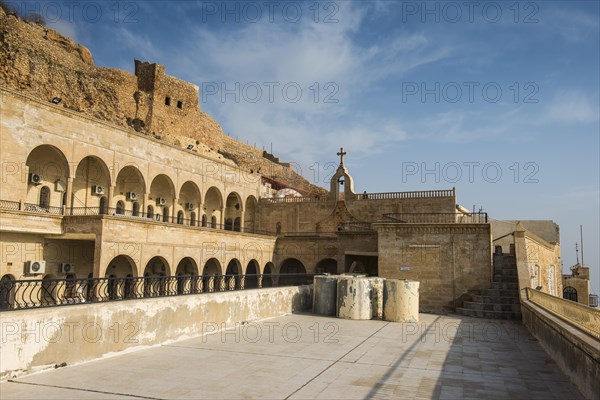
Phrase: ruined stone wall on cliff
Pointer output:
(45, 64)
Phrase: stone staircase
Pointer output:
(502, 300)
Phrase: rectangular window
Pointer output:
(179, 104)
(167, 101)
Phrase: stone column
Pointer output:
(175, 210)
(354, 298)
(401, 300)
(222, 218)
(145, 204)
(110, 195)
(69, 194)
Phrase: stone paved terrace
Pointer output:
(489, 359)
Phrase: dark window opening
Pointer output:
(167, 101)
(180, 104)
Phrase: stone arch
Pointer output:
(327, 266)
(162, 195)
(570, 293)
(46, 166)
(291, 267)
(234, 210)
(268, 271)
(157, 266)
(121, 266)
(251, 274)
(156, 277)
(7, 292)
(212, 278)
(187, 276)
(233, 274)
(90, 183)
(191, 200)
(213, 206)
(130, 186)
(250, 214)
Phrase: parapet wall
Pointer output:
(576, 353)
(37, 339)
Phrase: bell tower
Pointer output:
(341, 186)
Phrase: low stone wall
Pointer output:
(42, 338)
(575, 352)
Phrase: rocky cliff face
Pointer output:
(45, 64)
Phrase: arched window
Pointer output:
(44, 197)
(204, 220)
(120, 207)
(278, 228)
(228, 224)
(135, 209)
(166, 214)
(193, 219)
(570, 293)
(180, 217)
(237, 224)
(150, 212)
(103, 205)
(213, 222)
(341, 181)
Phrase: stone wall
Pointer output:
(37, 339)
(44, 64)
(576, 353)
(451, 261)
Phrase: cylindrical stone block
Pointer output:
(354, 298)
(377, 296)
(324, 294)
(401, 300)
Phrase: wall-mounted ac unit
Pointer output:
(35, 179)
(191, 206)
(35, 267)
(98, 190)
(67, 268)
(132, 196)
(161, 201)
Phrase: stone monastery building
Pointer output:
(112, 174)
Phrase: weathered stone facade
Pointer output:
(123, 175)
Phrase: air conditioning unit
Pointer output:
(98, 190)
(161, 201)
(35, 267)
(191, 206)
(67, 268)
(35, 179)
(132, 196)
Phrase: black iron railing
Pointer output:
(178, 219)
(436, 218)
(38, 293)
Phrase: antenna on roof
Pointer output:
(581, 236)
(577, 252)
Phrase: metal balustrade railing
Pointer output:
(38, 293)
(436, 218)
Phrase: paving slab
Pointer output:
(303, 356)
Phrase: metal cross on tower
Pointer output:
(342, 153)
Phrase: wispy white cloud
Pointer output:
(572, 106)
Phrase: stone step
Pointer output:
(496, 299)
(505, 271)
(470, 305)
(505, 285)
(508, 279)
(501, 293)
(488, 314)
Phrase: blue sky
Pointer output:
(506, 91)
